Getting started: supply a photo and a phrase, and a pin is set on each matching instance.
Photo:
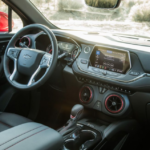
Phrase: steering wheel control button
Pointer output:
(84, 61)
(134, 73)
(45, 62)
(13, 53)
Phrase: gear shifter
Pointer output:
(76, 114)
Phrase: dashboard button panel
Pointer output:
(98, 105)
(103, 87)
(104, 90)
(103, 72)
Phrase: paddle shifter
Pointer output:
(76, 114)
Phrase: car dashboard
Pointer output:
(102, 73)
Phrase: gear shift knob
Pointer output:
(77, 111)
(76, 114)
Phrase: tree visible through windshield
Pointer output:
(131, 17)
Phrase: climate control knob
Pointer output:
(86, 94)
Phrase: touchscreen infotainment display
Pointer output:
(109, 59)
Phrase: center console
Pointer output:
(106, 77)
(105, 100)
(82, 138)
(90, 133)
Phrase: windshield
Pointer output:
(131, 17)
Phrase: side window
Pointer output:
(4, 17)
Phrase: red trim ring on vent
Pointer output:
(122, 104)
(91, 94)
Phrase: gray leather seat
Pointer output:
(20, 133)
(9, 120)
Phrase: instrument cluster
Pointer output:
(65, 48)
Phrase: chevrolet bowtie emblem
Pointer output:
(26, 56)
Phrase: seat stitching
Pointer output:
(25, 138)
(5, 124)
(19, 135)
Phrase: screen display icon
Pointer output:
(108, 59)
(98, 52)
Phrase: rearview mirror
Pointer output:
(103, 3)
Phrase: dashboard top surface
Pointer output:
(139, 58)
(102, 38)
(82, 37)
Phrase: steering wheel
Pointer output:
(30, 62)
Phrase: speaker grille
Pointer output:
(114, 103)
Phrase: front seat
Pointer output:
(20, 133)
(9, 120)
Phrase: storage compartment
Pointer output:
(81, 140)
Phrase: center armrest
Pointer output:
(30, 136)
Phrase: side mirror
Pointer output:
(4, 22)
(107, 4)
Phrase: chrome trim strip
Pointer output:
(66, 141)
(141, 76)
(69, 140)
(90, 132)
(34, 75)
(14, 71)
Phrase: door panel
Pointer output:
(4, 39)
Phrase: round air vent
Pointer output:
(85, 94)
(114, 103)
(87, 49)
(26, 41)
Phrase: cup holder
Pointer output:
(69, 144)
(84, 139)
